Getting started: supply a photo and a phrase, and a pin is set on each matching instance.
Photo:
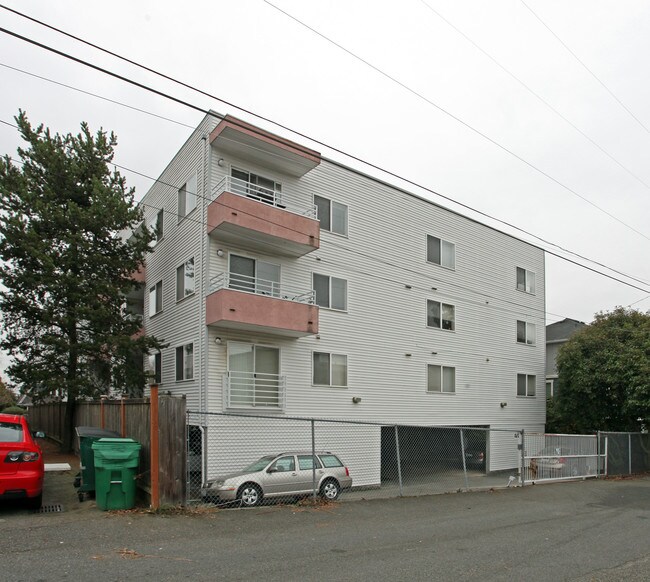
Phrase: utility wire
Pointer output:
(260, 132)
(456, 118)
(586, 68)
(534, 94)
(417, 272)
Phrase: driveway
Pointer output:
(587, 530)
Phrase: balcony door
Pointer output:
(254, 373)
(254, 276)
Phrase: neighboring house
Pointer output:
(557, 334)
(287, 285)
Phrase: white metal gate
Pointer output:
(553, 457)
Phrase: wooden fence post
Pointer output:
(155, 453)
(122, 418)
(102, 422)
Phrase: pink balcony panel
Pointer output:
(231, 309)
(251, 224)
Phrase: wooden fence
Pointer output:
(132, 418)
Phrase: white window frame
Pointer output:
(530, 333)
(187, 197)
(155, 294)
(550, 393)
(255, 286)
(332, 204)
(155, 367)
(441, 304)
(181, 290)
(530, 281)
(184, 368)
(254, 190)
(330, 354)
(441, 378)
(329, 278)
(443, 243)
(528, 385)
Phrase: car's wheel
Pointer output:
(249, 494)
(34, 502)
(330, 490)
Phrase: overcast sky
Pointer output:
(563, 152)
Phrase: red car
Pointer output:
(21, 462)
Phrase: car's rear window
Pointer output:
(306, 462)
(10, 432)
(330, 461)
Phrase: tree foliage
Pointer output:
(7, 397)
(604, 372)
(67, 268)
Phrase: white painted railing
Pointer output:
(254, 390)
(258, 287)
(261, 194)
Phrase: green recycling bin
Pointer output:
(85, 481)
(116, 465)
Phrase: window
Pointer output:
(254, 276)
(187, 198)
(441, 315)
(254, 186)
(333, 216)
(441, 379)
(525, 280)
(155, 367)
(307, 462)
(526, 333)
(330, 369)
(550, 388)
(158, 229)
(331, 292)
(330, 461)
(185, 280)
(526, 385)
(155, 299)
(441, 252)
(284, 464)
(185, 362)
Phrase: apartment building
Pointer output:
(288, 285)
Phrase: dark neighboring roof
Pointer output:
(563, 330)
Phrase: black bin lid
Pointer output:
(95, 431)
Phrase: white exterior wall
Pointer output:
(384, 252)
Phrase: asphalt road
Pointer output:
(587, 531)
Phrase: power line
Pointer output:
(457, 119)
(534, 93)
(260, 132)
(417, 272)
(575, 56)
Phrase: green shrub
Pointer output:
(14, 410)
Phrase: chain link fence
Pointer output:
(625, 453)
(242, 460)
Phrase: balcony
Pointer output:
(243, 140)
(258, 391)
(256, 218)
(251, 304)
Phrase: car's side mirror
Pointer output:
(272, 470)
(39, 434)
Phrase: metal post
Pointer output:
(313, 460)
(523, 459)
(399, 462)
(629, 452)
(606, 454)
(598, 455)
(462, 452)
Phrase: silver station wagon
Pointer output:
(284, 475)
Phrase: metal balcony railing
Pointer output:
(261, 194)
(257, 286)
(254, 390)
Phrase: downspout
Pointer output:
(205, 270)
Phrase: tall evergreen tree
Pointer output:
(67, 268)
